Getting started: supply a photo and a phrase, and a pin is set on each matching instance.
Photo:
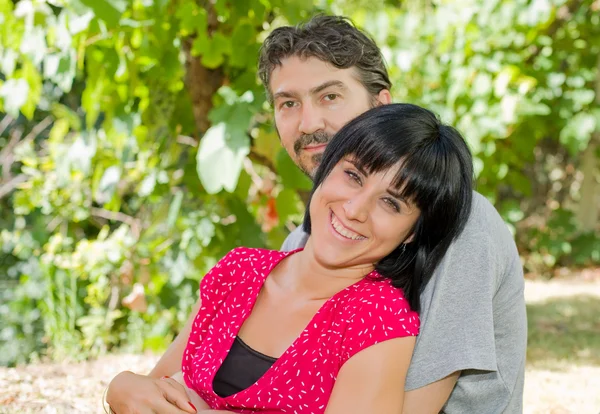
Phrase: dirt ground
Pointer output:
(78, 388)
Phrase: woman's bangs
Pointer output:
(421, 180)
(372, 156)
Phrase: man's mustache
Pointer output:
(305, 140)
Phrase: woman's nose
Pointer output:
(357, 208)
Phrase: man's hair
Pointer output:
(331, 39)
(436, 174)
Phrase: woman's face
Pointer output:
(358, 218)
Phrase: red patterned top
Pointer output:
(301, 380)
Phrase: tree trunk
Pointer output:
(202, 82)
(588, 213)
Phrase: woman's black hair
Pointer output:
(436, 175)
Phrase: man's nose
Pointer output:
(312, 120)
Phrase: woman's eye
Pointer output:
(393, 204)
(353, 176)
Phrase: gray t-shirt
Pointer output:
(473, 318)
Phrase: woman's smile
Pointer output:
(341, 230)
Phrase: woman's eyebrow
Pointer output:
(397, 195)
(357, 166)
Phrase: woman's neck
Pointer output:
(305, 274)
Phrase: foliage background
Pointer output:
(136, 147)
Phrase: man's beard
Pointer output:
(305, 140)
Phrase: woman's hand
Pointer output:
(129, 393)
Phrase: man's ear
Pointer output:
(384, 97)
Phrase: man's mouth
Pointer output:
(343, 230)
(315, 147)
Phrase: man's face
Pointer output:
(312, 101)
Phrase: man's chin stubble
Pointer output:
(316, 161)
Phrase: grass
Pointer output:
(563, 332)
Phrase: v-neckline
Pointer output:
(233, 333)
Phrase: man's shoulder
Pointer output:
(296, 239)
(484, 214)
(485, 225)
(486, 246)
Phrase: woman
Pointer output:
(331, 328)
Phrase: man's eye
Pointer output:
(331, 97)
(288, 104)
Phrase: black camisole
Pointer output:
(242, 367)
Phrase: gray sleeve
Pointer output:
(457, 317)
(294, 240)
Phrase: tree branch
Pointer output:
(261, 159)
(6, 121)
(132, 222)
(8, 187)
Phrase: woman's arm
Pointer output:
(372, 381)
(170, 362)
(129, 392)
(431, 398)
(197, 402)
(132, 393)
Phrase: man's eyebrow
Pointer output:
(313, 91)
(326, 85)
(284, 94)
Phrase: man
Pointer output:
(470, 353)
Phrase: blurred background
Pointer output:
(136, 149)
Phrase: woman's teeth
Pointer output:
(343, 231)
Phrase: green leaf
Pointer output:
(193, 19)
(34, 45)
(174, 209)
(34, 79)
(220, 157)
(290, 174)
(267, 143)
(109, 11)
(577, 132)
(14, 92)
(60, 68)
(212, 49)
(108, 184)
(8, 61)
(242, 38)
(288, 204)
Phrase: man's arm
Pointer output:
(170, 362)
(431, 398)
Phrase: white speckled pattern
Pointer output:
(301, 380)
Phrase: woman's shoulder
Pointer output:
(376, 285)
(377, 296)
(239, 266)
(242, 262)
(376, 311)
(251, 255)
